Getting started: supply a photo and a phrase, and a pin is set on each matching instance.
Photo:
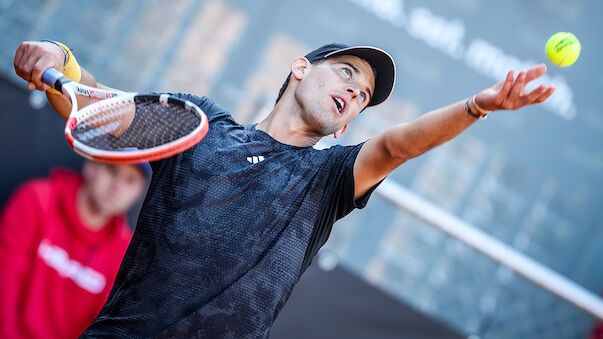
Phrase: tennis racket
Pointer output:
(127, 128)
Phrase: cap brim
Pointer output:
(382, 63)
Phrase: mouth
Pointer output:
(340, 103)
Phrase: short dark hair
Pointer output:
(283, 88)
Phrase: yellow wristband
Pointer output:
(72, 69)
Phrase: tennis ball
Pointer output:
(563, 49)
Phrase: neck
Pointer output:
(92, 217)
(285, 124)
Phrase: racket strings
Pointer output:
(139, 124)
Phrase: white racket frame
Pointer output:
(112, 97)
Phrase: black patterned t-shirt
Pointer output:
(225, 232)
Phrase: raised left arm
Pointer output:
(381, 155)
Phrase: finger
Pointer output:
(27, 67)
(32, 86)
(534, 94)
(506, 88)
(20, 63)
(38, 69)
(516, 91)
(535, 72)
(18, 55)
(545, 95)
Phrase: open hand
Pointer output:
(510, 94)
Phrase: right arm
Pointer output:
(32, 58)
(381, 155)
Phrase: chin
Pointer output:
(111, 209)
(320, 123)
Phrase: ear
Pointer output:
(299, 66)
(341, 131)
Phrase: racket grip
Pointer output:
(54, 79)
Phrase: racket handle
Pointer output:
(54, 79)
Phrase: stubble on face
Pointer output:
(326, 80)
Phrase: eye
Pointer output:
(362, 97)
(346, 73)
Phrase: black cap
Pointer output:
(382, 63)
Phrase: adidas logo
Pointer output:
(255, 159)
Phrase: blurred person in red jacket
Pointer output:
(62, 240)
(597, 332)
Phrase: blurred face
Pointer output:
(334, 92)
(112, 189)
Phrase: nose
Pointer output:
(353, 91)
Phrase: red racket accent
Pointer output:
(71, 123)
(128, 127)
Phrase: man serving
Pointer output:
(221, 241)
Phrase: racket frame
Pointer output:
(60, 82)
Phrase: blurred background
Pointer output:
(531, 178)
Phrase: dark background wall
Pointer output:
(31, 139)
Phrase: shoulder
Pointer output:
(31, 199)
(339, 160)
(34, 188)
(195, 99)
(46, 191)
(213, 111)
(334, 159)
(341, 152)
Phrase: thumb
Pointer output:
(43, 87)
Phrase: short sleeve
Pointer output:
(339, 198)
(344, 190)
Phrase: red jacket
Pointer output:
(597, 332)
(55, 274)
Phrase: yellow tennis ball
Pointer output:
(563, 49)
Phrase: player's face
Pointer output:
(334, 92)
(113, 188)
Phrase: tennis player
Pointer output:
(229, 226)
